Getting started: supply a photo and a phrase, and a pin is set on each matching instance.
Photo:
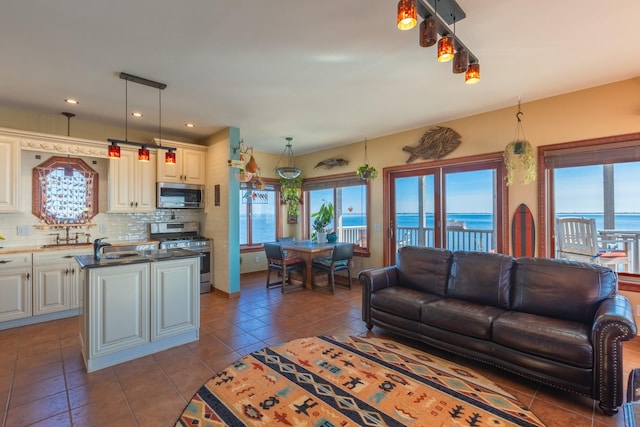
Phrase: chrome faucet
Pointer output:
(97, 245)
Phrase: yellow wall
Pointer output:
(611, 109)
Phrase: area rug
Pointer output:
(350, 381)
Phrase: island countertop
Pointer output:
(111, 259)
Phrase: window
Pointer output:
(595, 179)
(258, 214)
(350, 198)
(456, 204)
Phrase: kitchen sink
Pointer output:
(119, 255)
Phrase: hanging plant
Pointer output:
(365, 171)
(290, 190)
(519, 157)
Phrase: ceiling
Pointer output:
(326, 72)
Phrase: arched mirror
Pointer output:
(65, 191)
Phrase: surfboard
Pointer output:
(523, 232)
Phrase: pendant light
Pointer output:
(290, 171)
(170, 157)
(113, 152)
(445, 49)
(472, 75)
(428, 33)
(460, 61)
(407, 15)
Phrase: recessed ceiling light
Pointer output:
(190, 125)
(71, 101)
(136, 114)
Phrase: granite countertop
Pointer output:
(43, 248)
(112, 259)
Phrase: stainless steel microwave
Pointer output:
(173, 195)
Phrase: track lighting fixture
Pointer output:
(143, 152)
(438, 15)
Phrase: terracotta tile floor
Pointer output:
(43, 382)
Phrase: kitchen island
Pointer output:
(137, 303)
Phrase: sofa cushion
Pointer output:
(401, 301)
(561, 340)
(424, 269)
(564, 289)
(481, 277)
(460, 316)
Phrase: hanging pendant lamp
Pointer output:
(428, 33)
(472, 75)
(290, 171)
(407, 15)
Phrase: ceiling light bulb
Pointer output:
(136, 114)
(445, 49)
(473, 74)
(190, 125)
(407, 15)
(71, 101)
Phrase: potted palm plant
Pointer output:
(321, 220)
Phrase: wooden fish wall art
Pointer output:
(436, 143)
(331, 163)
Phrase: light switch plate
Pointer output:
(23, 230)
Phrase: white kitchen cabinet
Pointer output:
(189, 167)
(133, 310)
(15, 286)
(132, 183)
(9, 174)
(174, 306)
(118, 308)
(56, 280)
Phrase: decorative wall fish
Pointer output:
(436, 143)
(330, 163)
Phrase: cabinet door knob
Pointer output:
(28, 276)
(131, 204)
(66, 272)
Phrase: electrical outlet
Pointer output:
(257, 259)
(23, 230)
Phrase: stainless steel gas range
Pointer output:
(186, 235)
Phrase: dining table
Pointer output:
(307, 250)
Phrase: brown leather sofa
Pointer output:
(557, 322)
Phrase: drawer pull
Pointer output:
(4, 261)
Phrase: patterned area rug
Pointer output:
(350, 381)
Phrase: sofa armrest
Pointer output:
(613, 323)
(373, 280)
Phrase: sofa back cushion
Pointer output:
(424, 269)
(562, 289)
(481, 277)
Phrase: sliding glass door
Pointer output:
(455, 206)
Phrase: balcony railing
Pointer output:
(458, 239)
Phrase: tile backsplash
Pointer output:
(22, 229)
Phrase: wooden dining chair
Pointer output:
(340, 260)
(283, 265)
(577, 239)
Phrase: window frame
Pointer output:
(332, 182)
(460, 164)
(596, 151)
(255, 247)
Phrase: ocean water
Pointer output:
(263, 226)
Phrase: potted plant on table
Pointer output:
(321, 220)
